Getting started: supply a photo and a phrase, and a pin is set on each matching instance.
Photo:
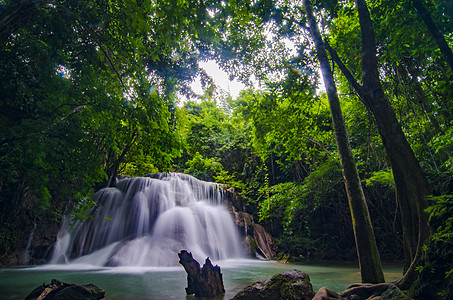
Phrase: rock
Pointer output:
(244, 221)
(60, 290)
(288, 285)
(236, 201)
(206, 282)
(248, 243)
(254, 237)
(264, 241)
(393, 292)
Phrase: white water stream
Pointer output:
(146, 221)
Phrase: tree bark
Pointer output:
(435, 33)
(411, 184)
(206, 282)
(369, 260)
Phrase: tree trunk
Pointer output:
(411, 184)
(206, 282)
(435, 33)
(369, 260)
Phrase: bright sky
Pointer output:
(221, 79)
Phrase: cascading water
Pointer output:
(146, 221)
(26, 255)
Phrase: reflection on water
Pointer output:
(169, 282)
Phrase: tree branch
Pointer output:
(435, 33)
(349, 77)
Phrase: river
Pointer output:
(127, 283)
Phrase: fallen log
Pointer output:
(206, 282)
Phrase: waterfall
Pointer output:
(146, 221)
(26, 255)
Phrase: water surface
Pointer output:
(127, 283)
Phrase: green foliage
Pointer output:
(288, 209)
(203, 168)
(82, 208)
(442, 145)
(223, 176)
(288, 132)
(384, 177)
(277, 202)
(141, 166)
(82, 98)
(436, 271)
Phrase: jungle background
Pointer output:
(95, 89)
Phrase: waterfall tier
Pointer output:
(146, 221)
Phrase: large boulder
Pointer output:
(292, 285)
(58, 290)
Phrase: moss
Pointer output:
(252, 244)
(288, 285)
(394, 293)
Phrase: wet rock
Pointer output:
(244, 221)
(264, 241)
(288, 285)
(249, 246)
(57, 290)
(255, 238)
(393, 292)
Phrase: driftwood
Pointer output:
(206, 282)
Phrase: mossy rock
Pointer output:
(394, 293)
(58, 290)
(288, 285)
(252, 244)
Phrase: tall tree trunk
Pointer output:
(369, 260)
(411, 184)
(435, 33)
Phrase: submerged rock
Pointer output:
(62, 290)
(290, 285)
